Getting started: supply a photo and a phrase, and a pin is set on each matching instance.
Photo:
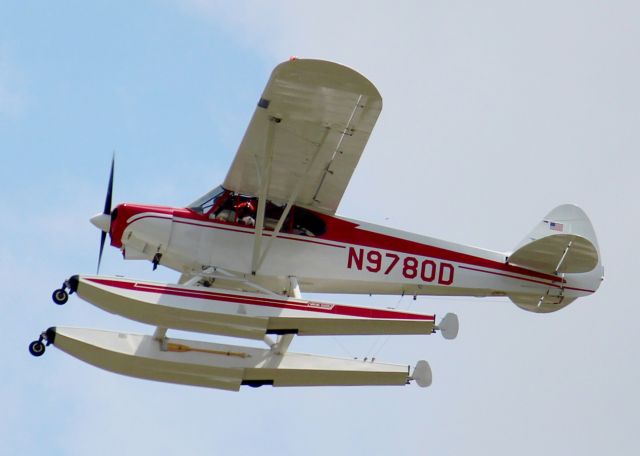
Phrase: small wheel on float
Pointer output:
(60, 296)
(36, 348)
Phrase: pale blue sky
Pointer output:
(493, 114)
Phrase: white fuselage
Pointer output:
(353, 257)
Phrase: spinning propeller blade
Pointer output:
(107, 212)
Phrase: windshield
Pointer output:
(204, 203)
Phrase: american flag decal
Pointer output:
(556, 226)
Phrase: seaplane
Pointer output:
(247, 250)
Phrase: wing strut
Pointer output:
(292, 199)
(262, 196)
(348, 131)
(219, 273)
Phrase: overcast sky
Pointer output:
(494, 113)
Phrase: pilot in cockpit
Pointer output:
(246, 212)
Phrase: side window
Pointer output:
(224, 206)
(307, 223)
(272, 214)
(238, 209)
(225, 212)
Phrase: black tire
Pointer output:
(36, 348)
(60, 296)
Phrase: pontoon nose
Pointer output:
(101, 221)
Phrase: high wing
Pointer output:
(306, 135)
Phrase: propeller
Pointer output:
(103, 220)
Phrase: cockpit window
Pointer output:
(224, 206)
(203, 204)
(238, 209)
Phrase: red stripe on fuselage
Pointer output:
(346, 232)
(366, 238)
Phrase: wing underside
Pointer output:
(306, 136)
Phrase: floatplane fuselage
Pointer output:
(331, 254)
(248, 249)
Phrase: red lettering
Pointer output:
(394, 261)
(441, 275)
(375, 258)
(355, 258)
(428, 270)
(410, 269)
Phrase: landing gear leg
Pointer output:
(156, 260)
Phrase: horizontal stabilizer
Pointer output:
(563, 242)
(541, 304)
